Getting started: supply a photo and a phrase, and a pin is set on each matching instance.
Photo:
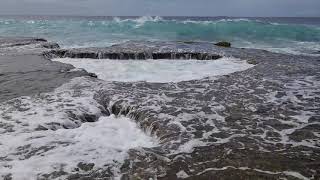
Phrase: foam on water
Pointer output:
(102, 142)
(38, 136)
(157, 70)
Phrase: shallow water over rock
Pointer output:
(162, 70)
(262, 122)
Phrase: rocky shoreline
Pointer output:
(261, 123)
(24, 70)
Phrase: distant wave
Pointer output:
(143, 19)
(139, 21)
(220, 29)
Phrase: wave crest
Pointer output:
(140, 21)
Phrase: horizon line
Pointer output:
(71, 15)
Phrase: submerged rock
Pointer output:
(223, 44)
(302, 134)
(252, 61)
(233, 117)
(93, 75)
(50, 45)
(85, 166)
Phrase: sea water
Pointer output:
(286, 35)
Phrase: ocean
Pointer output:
(284, 35)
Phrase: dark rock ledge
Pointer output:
(125, 55)
(136, 50)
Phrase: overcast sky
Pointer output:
(163, 7)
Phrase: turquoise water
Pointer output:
(297, 36)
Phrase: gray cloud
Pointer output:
(163, 7)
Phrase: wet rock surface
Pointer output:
(24, 71)
(261, 123)
(248, 125)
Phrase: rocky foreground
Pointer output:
(261, 123)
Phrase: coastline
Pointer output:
(259, 123)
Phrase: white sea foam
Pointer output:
(182, 175)
(101, 142)
(208, 22)
(27, 153)
(139, 21)
(238, 20)
(157, 70)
